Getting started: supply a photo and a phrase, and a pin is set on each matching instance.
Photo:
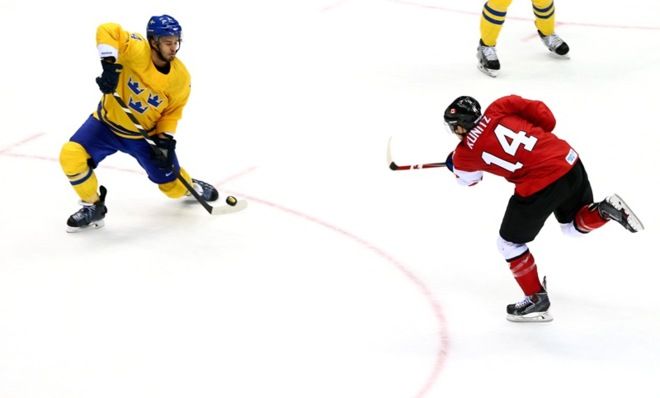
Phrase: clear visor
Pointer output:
(451, 127)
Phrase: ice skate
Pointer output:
(210, 194)
(533, 308)
(91, 215)
(614, 208)
(554, 43)
(488, 61)
(205, 190)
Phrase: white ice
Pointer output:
(342, 278)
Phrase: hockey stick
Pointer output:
(239, 205)
(394, 166)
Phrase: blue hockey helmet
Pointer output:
(163, 25)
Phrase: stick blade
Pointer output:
(226, 209)
(389, 152)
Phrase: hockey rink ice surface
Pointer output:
(341, 278)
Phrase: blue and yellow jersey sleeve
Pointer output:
(155, 98)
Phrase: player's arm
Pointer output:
(168, 122)
(163, 139)
(113, 44)
(536, 112)
(171, 116)
(468, 178)
(111, 41)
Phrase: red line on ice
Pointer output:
(478, 12)
(19, 143)
(442, 333)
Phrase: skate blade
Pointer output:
(633, 221)
(226, 209)
(93, 225)
(488, 72)
(544, 316)
(559, 56)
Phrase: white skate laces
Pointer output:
(552, 41)
(524, 302)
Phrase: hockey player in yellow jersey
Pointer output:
(155, 85)
(492, 18)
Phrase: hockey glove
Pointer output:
(110, 77)
(450, 161)
(163, 151)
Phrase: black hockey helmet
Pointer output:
(464, 111)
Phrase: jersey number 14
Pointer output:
(510, 142)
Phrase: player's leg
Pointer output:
(492, 18)
(166, 175)
(579, 214)
(519, 227)
(544, 13)
(573, 214)
(522, 222)
(175, 189)
(614, 208)
(592, 216)
(78, 158)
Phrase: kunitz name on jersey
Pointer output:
(476, 132)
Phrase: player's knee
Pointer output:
(73, 158)
(509, 249)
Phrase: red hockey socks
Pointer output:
(524, 270)
(588, 218)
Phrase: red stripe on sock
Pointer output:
(524, 271)
(588, 219)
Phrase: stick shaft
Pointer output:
(394, 166)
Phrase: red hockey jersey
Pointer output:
(513, 139)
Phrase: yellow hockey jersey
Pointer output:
(156, 99)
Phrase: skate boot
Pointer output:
(554, 43)
(488, 61)
(90, 215)
(205, 190)
(614, 208)
(532, 308)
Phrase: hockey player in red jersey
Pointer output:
(513, 138)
